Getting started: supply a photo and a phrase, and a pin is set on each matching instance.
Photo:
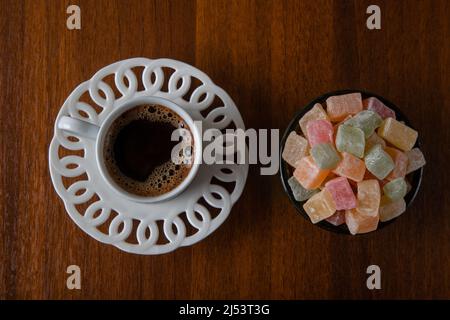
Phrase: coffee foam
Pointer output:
(163, 178)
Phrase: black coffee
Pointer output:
(138, 151)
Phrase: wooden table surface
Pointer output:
(272, 58)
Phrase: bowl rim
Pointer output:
(294, 126)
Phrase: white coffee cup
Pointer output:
(80, 128)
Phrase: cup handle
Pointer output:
(78, 127)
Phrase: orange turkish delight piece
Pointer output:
(295, 148)
(320, 206)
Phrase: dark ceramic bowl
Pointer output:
(286, 170)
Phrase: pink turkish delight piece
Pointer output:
(316, 113)
(319, 131)
(342, 193)
(375, 105)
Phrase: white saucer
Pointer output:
(138, 227)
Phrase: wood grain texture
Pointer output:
(272, 58)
